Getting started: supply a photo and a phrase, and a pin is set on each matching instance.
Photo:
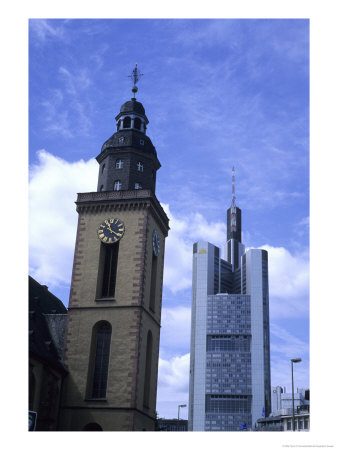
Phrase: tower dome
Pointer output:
(132, 115)
(133, 106)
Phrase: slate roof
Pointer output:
(133, 106)
(132, 140)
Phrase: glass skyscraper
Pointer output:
(230, 344)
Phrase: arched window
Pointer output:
(99, 360)
(101, 188)
(137, 123)
(147, 374)
(103, 167)
(126, 122)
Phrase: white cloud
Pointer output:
(44, 29)
(174, 375)
(288, 282)
(302, 228)
(67, 111)
(54, 183)
(173, 386)
(286, 344)
(75, 82)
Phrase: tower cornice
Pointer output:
(118, 200)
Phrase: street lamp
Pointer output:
(178, 415)
(294, 360)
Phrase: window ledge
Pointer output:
(106, 299)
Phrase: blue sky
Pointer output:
(217, 93)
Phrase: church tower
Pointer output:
(114, 313)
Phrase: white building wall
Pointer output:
(254, 287)
(276, 398)
(203, 285)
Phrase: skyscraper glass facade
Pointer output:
(228, 362)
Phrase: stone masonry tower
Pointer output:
(114, 314)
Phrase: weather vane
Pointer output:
(135, 76)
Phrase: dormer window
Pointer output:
(119, 164)
(126, 122)
(117, 185)
(140, 166)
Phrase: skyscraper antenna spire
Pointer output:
(135, 76)
(233, 204)
(233, 187)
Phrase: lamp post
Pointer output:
(294, 360)
(178, 415)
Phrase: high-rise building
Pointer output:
(230, 344)
(114, 314)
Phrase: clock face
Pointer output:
(156, 243)
(111, 230)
